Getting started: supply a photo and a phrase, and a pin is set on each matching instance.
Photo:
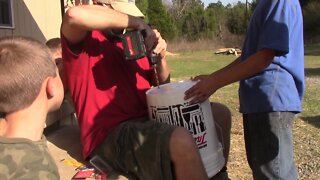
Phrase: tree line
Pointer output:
(191, 20)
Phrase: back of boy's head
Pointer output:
(54, 44)
(24, 65)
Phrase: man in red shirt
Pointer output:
(109, 95)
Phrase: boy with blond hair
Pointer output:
(66, 110)
(54, 44)
(30, 87)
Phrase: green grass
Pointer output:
(312, 50)
(311, 105)
(189, 64)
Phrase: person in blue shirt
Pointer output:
(271, 74)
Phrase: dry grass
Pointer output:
(228, 40)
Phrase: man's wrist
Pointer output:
(136, 23)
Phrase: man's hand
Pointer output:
(161, 46)
(150, 39)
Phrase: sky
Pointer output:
(224, 2)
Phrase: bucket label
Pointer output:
(185, 115)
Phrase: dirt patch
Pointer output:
(307, 153)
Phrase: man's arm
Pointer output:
(78, 20)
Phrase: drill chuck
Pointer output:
(153, 59)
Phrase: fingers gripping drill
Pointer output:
(134, 48)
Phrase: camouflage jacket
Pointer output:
(24, 159)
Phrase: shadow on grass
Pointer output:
(313, 120)
(312, 71)
(312, 53)
(312, 50)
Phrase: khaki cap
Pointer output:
(124, 6)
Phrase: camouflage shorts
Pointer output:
(139, 149)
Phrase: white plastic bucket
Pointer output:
(166, 104)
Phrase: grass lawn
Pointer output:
(306, 128)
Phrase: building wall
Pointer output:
(39, 19)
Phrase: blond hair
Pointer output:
(24, 65)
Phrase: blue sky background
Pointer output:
(224, 2)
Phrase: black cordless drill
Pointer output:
(134, 47)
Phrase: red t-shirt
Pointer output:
(106, 89)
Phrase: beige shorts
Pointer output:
(139, 149)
